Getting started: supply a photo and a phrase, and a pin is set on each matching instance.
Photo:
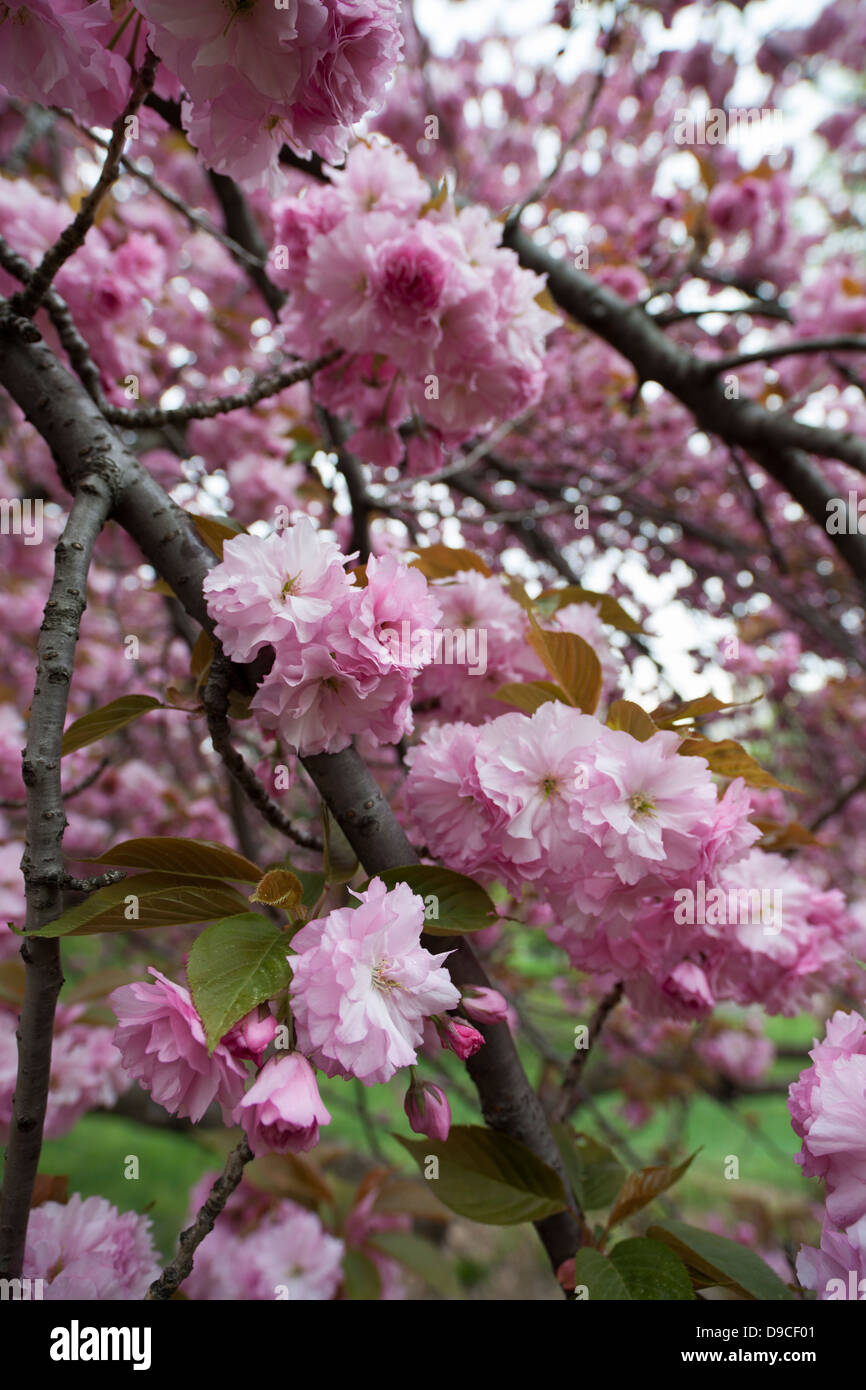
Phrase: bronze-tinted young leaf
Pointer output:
(443, 561)
(609, 609)
(639, 1189)
(722, 1262)
(669, 715)
(625, 715)
(529, 696)
(729, 759)
(50, 1187)
(777, 837)
(279, 888)
(454, 904)
(201, 658)
(489, 1177)
(216, 530)
(572, 663)
(234, 965)
(107, 720)
(144, 901)
(174, 854)
(289, 1175)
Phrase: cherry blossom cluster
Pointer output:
(364, 995)
(828, 1111)
(86, 1249)
(616, 834)
(497, 624)
(439, 322)
(335, 672)
(281, 1252)
(253, 75)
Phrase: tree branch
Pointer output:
(216, 702)
(27, 301)
(42, 864)
(775, 440)
(177, 1270)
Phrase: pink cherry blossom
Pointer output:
(285, 1254)
(362, 985)
(86, 1249)
(162, 1042)
(428, 1111)
(282, 1110)
(279, 588)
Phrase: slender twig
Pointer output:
(352, 469)
(243, 232)
(90, 885)
(216, 702)
(42, 864)
(10, 803)
(570, 1092)
(844, 342)
(759, 511)
(26, 302)
(268, 384)
(189, 1240)
(857, 786)
(544, 185)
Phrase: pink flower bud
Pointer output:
(282, 1110)
(485, 1005)
(251, 1036)
(461, 1037)
(428, 1110)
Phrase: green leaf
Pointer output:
(722, 1262)
(489, 1177)
(422, 1257)
(459, 904)
(572, 663)
(601, 1279)
(361, 1281)
(163, 900)
(639, 1189)
(594, 1171)
(530, 695)
(233, 966)
(651, 1270)
(107, 720)
(171, 854)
